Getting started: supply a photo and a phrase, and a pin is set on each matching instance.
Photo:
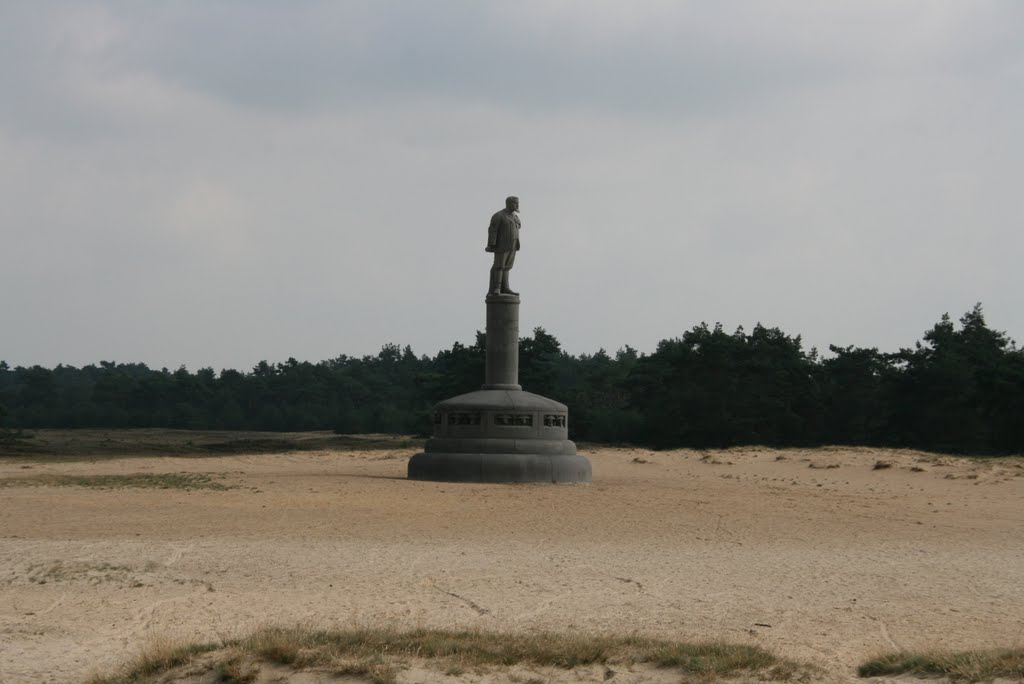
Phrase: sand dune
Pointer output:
(818, 555)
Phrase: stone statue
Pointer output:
(503, 241)
(501, 433)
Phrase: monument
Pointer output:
(501, 433)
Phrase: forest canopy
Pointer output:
(959, 389)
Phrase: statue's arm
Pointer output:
(492, 235)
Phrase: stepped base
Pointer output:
(500, 467)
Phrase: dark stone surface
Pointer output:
(492, 398)
(502, 369)
(468, 467)
(500, 436)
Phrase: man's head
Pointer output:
(512, 203)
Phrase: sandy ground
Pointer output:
(811, 553)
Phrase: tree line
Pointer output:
(960, 389)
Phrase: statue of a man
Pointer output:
(503, 240)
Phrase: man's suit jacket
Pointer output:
(503, 233)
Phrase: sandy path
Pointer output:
(770, 547)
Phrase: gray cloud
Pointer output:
(216, 183)
(322, 55)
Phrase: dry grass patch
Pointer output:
(967, 666)
(157, 656)
(377, 654)
(91, 444)
(186, 481)
(469, 648)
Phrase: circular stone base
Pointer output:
(457, 467)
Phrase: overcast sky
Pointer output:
(215, 183)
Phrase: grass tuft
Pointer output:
(157, 656)
(186, 481)
(462, 649)
(966, 666)
(48, 445)
(235, 671)
(376, 654)
(376, 670)
(714, 658)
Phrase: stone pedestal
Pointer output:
(501, 433)
(502, 371)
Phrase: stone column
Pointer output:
(502, 343)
